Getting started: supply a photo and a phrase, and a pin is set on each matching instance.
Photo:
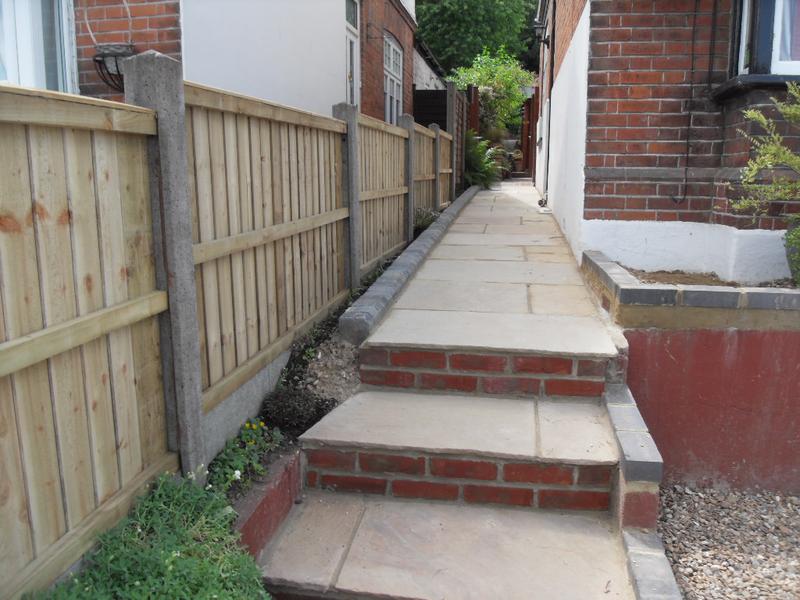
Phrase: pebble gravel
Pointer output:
(732, 544)
(333, 371)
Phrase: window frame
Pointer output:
(351, 37)
(392, 79)
(778, 66)
(22, 45)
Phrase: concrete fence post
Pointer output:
(349, 114)
(155, 81)
(407, 123)
(437, 195)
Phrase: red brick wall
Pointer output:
(377, 17)
(154, 25)
(567, 16)
(722, 405)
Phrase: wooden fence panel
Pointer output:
(269, 229)
(445, 169)
(82, 416)
(383, 189)
(424, 176)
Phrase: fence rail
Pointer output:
(152, 263)
(81, 400)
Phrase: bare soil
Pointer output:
(684, 278)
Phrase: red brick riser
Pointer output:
(478, 480)
(486, 374)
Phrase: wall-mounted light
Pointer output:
(107, 61)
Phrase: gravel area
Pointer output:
(732, 544)
(333, 371)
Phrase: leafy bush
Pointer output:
(764, 179)
(294, 411)
(176, 543)
(480, 163)
(500, 78)
(241, 458)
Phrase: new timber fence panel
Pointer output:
(424, 175)
(383, 189)
(81, 401)
(268, 229)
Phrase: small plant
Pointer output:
(764, 178)
(294, 410)
(241, 458)
(424, 218)
(176, 543)
(480, 161)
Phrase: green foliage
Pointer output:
(480, 164)
(458, 30)
(792, 242)
(764, 179)
(499, 78)
(176, 543)
(295, 410)
(241, 458)
(760, 181)
(424, 218)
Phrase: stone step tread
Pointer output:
(558, 431)
(350, 546)
(554, 335)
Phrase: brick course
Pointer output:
(421, 474)
(486, 373)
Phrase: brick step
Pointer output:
(475, 450)
(487, 373)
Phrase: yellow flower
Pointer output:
(247, 425)
(261, 423)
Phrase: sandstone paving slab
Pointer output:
(542, 334)
(499, 427)
(511, 253)
(433, 551)
(464, 295)
(500, 272)
(499, 239)
(537, 227)
(467, 227)
(535, 252)
(310, 548)
(561, 300)
(489, 219)
(576, 431)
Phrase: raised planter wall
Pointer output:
(716, 375)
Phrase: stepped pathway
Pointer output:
(478, 459)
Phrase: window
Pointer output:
(37, 44)
(392, 79)
(352, 52)
(770, 37)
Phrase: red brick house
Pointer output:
(642, 100)
(359, 51)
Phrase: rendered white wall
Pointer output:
(567, 146)
(746, 256)
(286, 51)
(426, 78)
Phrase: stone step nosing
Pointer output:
(456, 348)
(450, 453)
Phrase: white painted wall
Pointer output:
(411, 7)
(746, 256)
(567, 147)
(426, 78)
(286, 51)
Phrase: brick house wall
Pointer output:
(660, 146)
(154, 25)
(377, 17)
(567, 16)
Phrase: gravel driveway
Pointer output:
(732, 544)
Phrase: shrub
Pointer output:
(424, 218)
(294, 411)
(176, 543)
(480, 161)
(500, 79)
(241, 458)
(792, 242)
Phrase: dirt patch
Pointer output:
(333, 371)
(684, 278)
(732, 544)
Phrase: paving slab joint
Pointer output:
(366, 313)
